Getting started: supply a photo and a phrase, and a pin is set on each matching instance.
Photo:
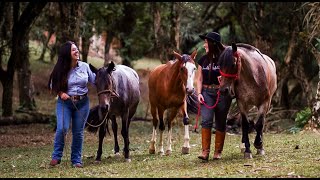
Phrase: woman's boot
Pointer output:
(206, 141)
(219, 142)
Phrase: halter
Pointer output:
(236, 75)
(111, 91)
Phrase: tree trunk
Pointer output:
(7, 92)
(156, 27)
(315, 119)
(45, 45)
(26, 90)
(107, 46)
(70, 16)
(26, 117)
(85, 45)
(176, 23)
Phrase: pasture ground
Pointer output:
(26, 151)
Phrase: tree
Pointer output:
(312, 20)
(21, 27)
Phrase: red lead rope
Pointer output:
(209, 107)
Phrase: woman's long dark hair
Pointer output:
(215, 49)
(59, 76)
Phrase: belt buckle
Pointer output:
(74, 98)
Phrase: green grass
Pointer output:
(282, 159)
(145, 63)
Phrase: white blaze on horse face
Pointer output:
(191, 68)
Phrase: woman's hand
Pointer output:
(200, 98)
(64, 96)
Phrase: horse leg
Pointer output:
(258, 142)
(152, 148)
(125, 135)
(245, 136)
(171, 115)
(161, 128)
(102, 133)
(186, 144)
(115, 136)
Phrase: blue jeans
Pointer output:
(65, 112)
(217, 115)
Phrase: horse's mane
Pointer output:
(171, 61)
(249, 47)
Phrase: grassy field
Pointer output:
(287, 155)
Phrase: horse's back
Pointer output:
(128, 83)
(263, 70)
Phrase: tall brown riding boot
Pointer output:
(219, 142)
(206, 141)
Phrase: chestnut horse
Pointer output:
(168, 86)
(250, 77)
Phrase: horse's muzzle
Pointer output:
(104, 108)
(189, 91)
(225, 91)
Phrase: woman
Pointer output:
(69, 80)
(207, 89)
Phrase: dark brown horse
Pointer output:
(250, 77)
(168, 86)
(119, 95)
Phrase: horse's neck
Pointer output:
(247, 74)
(175, 81)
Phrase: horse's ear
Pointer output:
(194, 53)
(234, 47)
(93, 69)
(177, 55)
(110, 67)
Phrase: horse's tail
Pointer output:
(192, 103)
(93, 119)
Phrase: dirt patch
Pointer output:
(26, 135)
(32, 135)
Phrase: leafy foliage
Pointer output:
(301, 119)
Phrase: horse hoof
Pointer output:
(247, 155)
(185, 150)
(242, 147)
(161, 153)
(117, 155)
(260, 152)
(97, 161)
(128, 160)
(152, 151)
(168, 152)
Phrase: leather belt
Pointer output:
(78, 97)
(212, 86)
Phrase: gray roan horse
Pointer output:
(250, 77)
(119, 95)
